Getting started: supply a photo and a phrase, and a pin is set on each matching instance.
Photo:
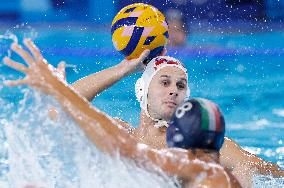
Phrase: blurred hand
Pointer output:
(135, 65)
(138, 65)
(39, 73)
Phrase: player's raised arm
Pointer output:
(91, 85)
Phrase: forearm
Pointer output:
(263, 167)
(245, 165)
(273, 169)
(92, 85)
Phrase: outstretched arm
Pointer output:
(101, 129)
(244, 164)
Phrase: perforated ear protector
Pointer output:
(139, 89)
(187, 92)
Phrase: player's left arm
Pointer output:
(233, 157)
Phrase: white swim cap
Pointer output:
(142, 84)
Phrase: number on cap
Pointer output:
(184, 108)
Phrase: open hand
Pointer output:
(38, 72)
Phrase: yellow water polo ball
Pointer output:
(137, 27)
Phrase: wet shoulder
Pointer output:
(230, 153)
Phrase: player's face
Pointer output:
(166, 91)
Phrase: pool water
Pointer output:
(242, 72)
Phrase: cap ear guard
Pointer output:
(187, 93)
(139, 89)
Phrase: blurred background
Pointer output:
(102, 11)
(183, 16)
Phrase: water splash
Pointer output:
(267, 182)
(57, 154)
(278, 112)
(10, 36)
(5, 42)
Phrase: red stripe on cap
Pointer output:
(217, 116)
(172, 63)
(160, 61)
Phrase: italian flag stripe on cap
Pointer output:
(217, 116)
(204, 116)
(208, 115)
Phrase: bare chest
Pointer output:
(155, 140)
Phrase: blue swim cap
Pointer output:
(196, 123)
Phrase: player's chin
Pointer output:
(168, 113)
(169, 108)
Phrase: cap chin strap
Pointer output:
(159, 123)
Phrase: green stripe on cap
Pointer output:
(204, 116)
(217, 116)
(209, 116)
(212, 119)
